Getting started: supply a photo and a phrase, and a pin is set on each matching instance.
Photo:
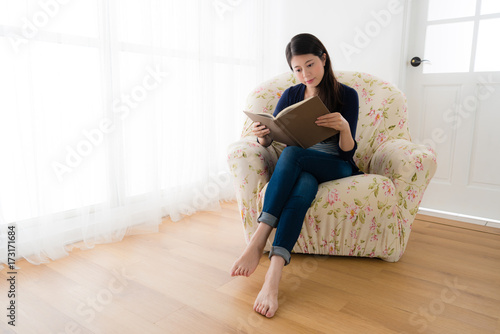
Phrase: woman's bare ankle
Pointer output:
(275, 270)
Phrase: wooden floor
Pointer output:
(177, 281)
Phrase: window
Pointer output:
(462, 36)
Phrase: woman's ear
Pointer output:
(323, 59)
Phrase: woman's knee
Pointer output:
(291, 153)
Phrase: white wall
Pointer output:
(360, 35)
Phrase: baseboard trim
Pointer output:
(458, 216)
(450, 218)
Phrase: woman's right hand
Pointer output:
(260, 131)
(263, 133)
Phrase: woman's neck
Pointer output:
(309, 92)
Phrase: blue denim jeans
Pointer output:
(291, 190)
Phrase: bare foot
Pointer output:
(266, 302)
(248, 261)
(246, 264)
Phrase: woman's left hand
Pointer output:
(333, 120)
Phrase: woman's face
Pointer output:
(309, 69)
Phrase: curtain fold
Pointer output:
(116, 114)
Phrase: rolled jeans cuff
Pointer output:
(280, 251)
(268, 218)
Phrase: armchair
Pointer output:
(367, 215)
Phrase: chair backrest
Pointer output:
(382, 109)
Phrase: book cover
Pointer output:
(295, 125)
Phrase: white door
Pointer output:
(454, 102)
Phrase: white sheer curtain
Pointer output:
(117, 113)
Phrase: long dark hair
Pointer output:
(329, 87)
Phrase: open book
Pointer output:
(295, 125)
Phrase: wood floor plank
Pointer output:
(190, 320)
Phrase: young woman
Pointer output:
(294, 182)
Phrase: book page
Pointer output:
(276, 132)
(293, 106)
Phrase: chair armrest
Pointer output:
(251, 166)
(259, 158)
(410, 166)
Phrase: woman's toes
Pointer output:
(259, 308)
(234, 269)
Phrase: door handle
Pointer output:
(416, 61)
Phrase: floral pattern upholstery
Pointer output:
(367, 215)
